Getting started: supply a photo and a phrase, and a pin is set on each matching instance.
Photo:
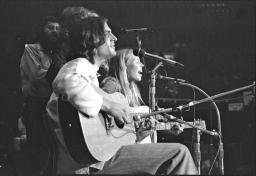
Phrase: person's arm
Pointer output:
(116, 105)
(34, 63)
(31, 69)
(111, 85)
(76, 85)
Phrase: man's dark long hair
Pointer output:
(73, 14)
(69, 17)
(86, 36)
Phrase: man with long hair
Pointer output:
(91, 45)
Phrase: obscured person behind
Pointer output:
(36, 88)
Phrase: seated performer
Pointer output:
(93, 44)
(125, 70)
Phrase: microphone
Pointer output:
(176, 80)
(142, 53)
(134, 30)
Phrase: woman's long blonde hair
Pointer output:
(118, 69)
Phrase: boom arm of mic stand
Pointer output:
(221, 154)
(195, 102)
(210, 98)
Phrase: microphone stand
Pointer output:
(197, 144)
(194, 103)
(197, 151)
(209, 98)
(152, 88)
(152, 93)
(211, 146)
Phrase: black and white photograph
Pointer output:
(127, 87)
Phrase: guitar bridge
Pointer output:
(108, 122)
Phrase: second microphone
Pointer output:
(142, 53)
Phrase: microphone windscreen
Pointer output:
(139, 52)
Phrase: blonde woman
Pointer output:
(124, 73)
(125, 70)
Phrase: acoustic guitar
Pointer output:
(98, 138)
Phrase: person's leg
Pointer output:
(166, 158)
(36, 147)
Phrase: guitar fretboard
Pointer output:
(169, 125)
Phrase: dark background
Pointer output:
(215, 40)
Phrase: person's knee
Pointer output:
(183, 150)
(181, 147)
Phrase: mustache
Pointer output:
(51, 35)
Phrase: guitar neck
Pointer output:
(169, 125)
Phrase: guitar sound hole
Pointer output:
(119, 124)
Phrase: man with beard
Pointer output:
(69, 16)
(36, 88)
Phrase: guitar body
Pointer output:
(92, 139)
(72, 133)
(103, 137)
